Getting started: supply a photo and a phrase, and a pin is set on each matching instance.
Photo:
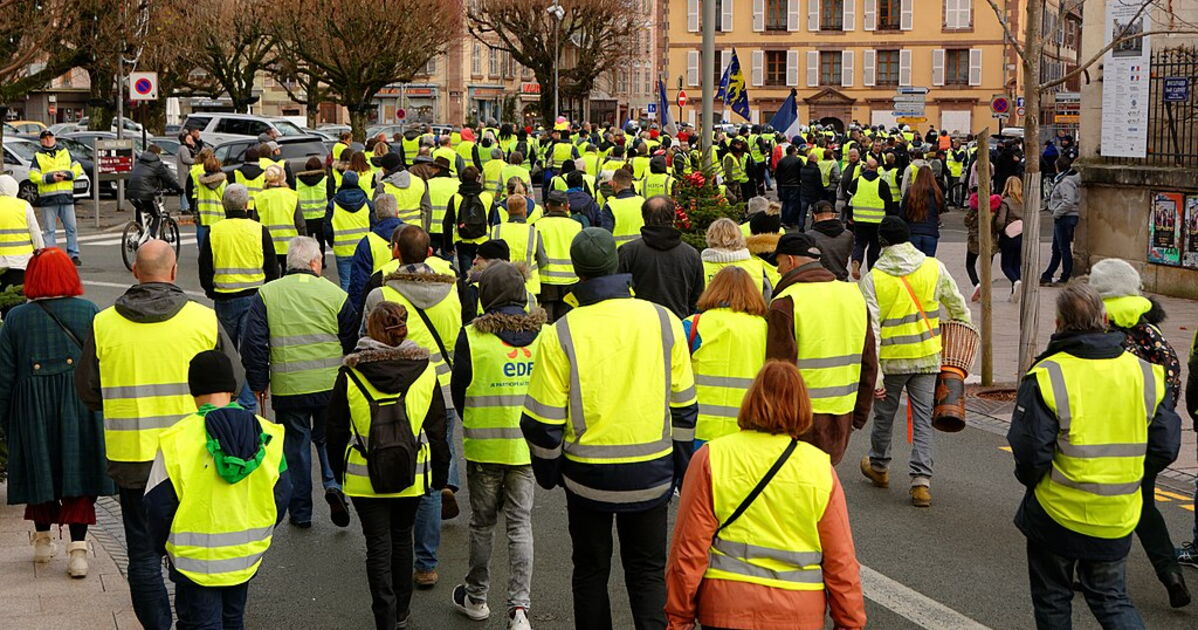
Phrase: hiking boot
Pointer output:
(77, 562)
(478, 611)
(1187, 554)
(449, 505)
(43, 547)
(518, 620)
(880, 478)
(425, 579)
(338, 509)
(921, 496)
(1175, 584)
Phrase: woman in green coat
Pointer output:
(55, 444)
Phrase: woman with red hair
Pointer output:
(56, 461)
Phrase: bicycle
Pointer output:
(134, 235)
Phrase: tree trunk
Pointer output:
(1029, 307)
(312, 111)
(986, 249)
(155, 115)
(357, 122)
(546, 83)
(99, 117)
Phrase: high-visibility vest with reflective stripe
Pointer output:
(237, 255)
(868, 205)
(220, 530)
(276, 211)
(591, 163)
(14, 227)
(657, 184)
(627, 213)
(438, 264)
(407, 200)
(491, 176)
(194, 173)
(348, 229)
(830, 339)
(446, 317)
(1104, 407)
(416, 402)
(754, 148)
(495, 400)
(380, 251)
(905, 334)
(208, 203)
(890, 176)
(825, 170)
(557, 233)
(560, 152)
(143, 375)
(487, 198)
(365, 182)
(775, 542)
(521, 239)
(339, 148)
(305, 350)
(265, 163)
(640, 166)
(738, 172)
(44, 163)
(252, 186)
(440, 190)
(955, 166)
(314, 199)
(466, 150)
(612, 164)
(411, 148)
(450, 155)
(514, 170)
(727, 361)
(756, 268)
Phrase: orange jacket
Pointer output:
(729, 604)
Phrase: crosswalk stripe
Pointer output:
(916, 607)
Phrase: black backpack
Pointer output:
(391, 450)
(472, 216)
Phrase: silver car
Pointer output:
(18, 160)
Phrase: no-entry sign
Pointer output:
(681, 98)
(143, 86)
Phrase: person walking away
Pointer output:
(55, 443)
(583, 205)
(1063, 203)
(185, 159)
(922, 205)
(973, 249)
(735, 167)
(1008, 233)
(908, 293)
(849, 172)
(238, 257)
(765, 229)
(726, 247)
(312, 186)
(20, 235)
(346, 223)
(729, 541)
(221, 455)
(468, 217)
(834, 241)
(664, 269)
(209, 191)
(489, 252)
(54, 172)
(1090, 422)
(251, 175)
(1137, 317)
(604, 341)
(388, 368)
(134, 368)
(410, 192)
(869, 200)
(823, 325)
(374, 251)
(829, 172)
(811, 186)
(788, 175)
(621, 214)
(657, 181)
(149, 178)
(726, 339)
(557, 233)
(430, 295)
(280, 211)
(296, 332)
(359, 163)
(491, 170)
(489, 386)
(441, 188)
(526, 247)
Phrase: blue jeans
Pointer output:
(1103, 584)
(1062, 249)
(304, 429)
(201, 235)
(345, 266)
(51, 213)
(232, 313)
(146, 587)
(805, 205)
(788, 196)
(427, 530)
(184, 203)
(925, 244)
(209, 607)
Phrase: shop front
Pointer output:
(486, 103)
(418, 100)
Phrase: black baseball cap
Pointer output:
(798, 244)
(46, 133)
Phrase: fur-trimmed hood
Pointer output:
(512, 325)
(391, 369)
(213, 180)
(422, 286)
(759, 244)
(311, 178)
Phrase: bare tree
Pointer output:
(28, 58)
(303, 85)
(107, 37)
(229, 42)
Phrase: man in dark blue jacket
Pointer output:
(386, 220)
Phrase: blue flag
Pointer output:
(736, 95)
(786, 121)
(663, 109)
(722, 91)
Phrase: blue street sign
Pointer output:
(651, 108)
(1177, 89)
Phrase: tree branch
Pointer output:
(1002, 20)
(1101, 53)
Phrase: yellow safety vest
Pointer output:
(252, 186)
(276, 210)
(411, 148)
(591, 163)
(416, 402)
(640, 166)
(209, 206)
(143, 375)
(380, 252)
(237, 256)
(955, 166)
(314, 199)
(348, 229)
(775, 542)
(492, 179)
(730, 355)
(627, 214)
(448, 154)
(757, 269)
(466, 150)
(829, 339)
(514, 170)
(1104, 407)
(221, 530)
(408, 199)
(495, 400)
(905, 333)
(657, 184)
(365, 182)
(487, 199)
(14, 228)
(305, 349)
(868, 205)
(522, 239)
(890, 176)
(561, 152)
(738, 170)
(557, 233)
(825, 171)
(440, 190)
(338, 149)
(446, 317)
(44, 163)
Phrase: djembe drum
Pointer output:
(959, 346)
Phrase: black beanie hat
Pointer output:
(210, 372)
(765, 223)
(390, 161)
(893, 231)
(495, 249)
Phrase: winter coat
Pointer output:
(765, 247)
(185, 158)
(351, 198)
(835, 242)
(1066, 195)
(787, 173)
(424, 288)
(811, 181)
(363, 262)
(664, 270)
(424, 168)
(972, 221)
(829, 432)
(930, 225)
(583, 204)
(150, 175)
(403, 180)
(1010, 210)
(56, 444)
(211, 180)
(514, 327)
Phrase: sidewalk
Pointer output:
(42, 596)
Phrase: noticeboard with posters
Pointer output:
(1164, 228)
(1189, 256)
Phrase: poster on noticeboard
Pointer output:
(1189, 255)
(1164, 228)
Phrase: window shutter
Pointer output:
(792, 15)
(846, 68)
(726, 16)
(792, 68)
(758, 68)
(692, 68)
(965, 13)
(869, 62)
(692, 16)
(975, 66)
(758, 15)
(850, 15)
(812, 68)
(725, 59)
(869, 16)
(950, 13)
(905, 68)
(906, 15)
(813, 15)
(938, 66)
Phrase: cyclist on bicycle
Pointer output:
(149, 178)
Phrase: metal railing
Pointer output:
(1172, 124)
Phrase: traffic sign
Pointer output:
(682, 98)
(911, 120)
(115, 156)
(401, 114)
(1000, 106)
(909, 98)
(143, 86)
(912, 90)
(1021, 111)
(651, 108)
(1019, 102)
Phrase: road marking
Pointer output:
(912, 605)
(1005, 448)
(118, 285)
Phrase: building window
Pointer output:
(775, 67)
(476, 59)
(829, 67)
(648, 82)
(775, 15)
(719, 15)
(889, 15)
(956, 66)
(720, 65)
(496, 62)
(430, 68)
(887, 72)
(831, 15)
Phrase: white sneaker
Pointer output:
(43, 547)
(478, 611)
(977, 293)
(1015, 291)
(518, 620)
(77, 559)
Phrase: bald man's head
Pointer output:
(155, 262)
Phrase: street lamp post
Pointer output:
(558, 13)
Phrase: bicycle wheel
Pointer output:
(131, 239)
(170, 234)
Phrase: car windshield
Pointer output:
(76, 147)
(298, 150)
(25, 150)
(287, 129)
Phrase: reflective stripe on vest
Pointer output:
(237, 256)
(276, 211)
(209, 205)
(143, 375)
(440, 190)
(627, 214)
(868, 206)
(521, 239)
(407, 200)
(313, 199)
(302, 317)
(252, 186)
(561, 152)
(446, 317)
(1103, 407)
(495, 400)
(348, 229)
(491, 176)
(731, 354)
(44, 163)
(416, 402)
(890, 176)
(14, 227)
(411, 148)
(752, 265)
(657, 184)
(905, 334)
(830, 339)
(220, 530)
(825, 171)
(557, 233)
(775, 542)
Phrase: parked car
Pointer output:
(18, 159)
(88, 139)
(296, 150)
(66, 127)
(9, 130)
(333, 130)
(28, 127)
(217, 127)
(328, 137)
(172, 129)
